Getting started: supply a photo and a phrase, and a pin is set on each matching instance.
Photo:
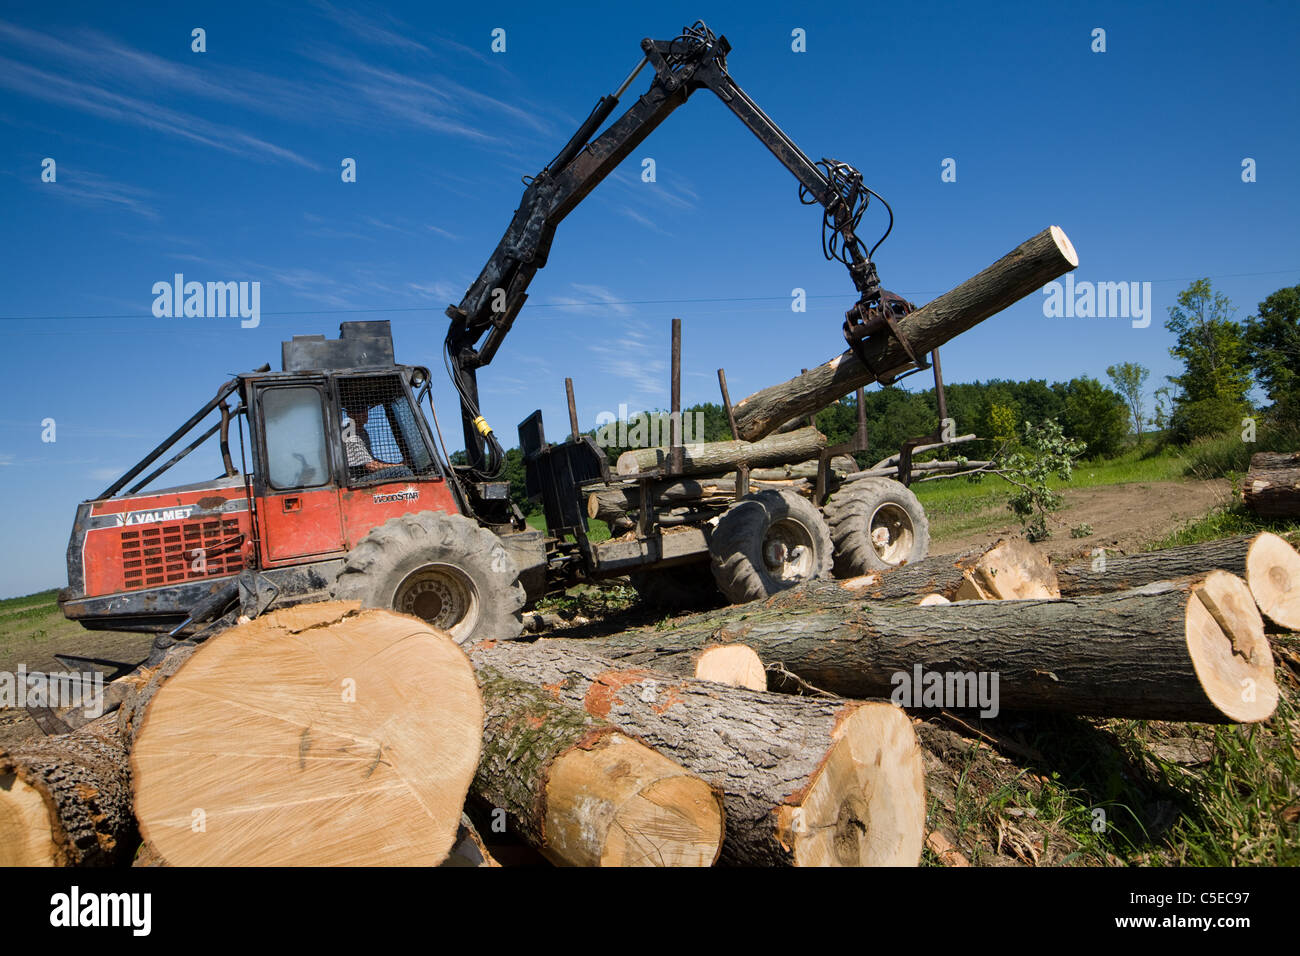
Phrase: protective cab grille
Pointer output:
(161, 554)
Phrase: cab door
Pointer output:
(299, 509)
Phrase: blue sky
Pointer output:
(225, 166)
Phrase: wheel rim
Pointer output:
(788, 551)
(442, 595)
(891, 533)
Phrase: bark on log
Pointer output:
(1156, 652)
(1268, 562)
(582, 793)
(314, 735)
(922, 449)
(841, 465)
(1272, 485)
(1097, 574)
(470, 850)
(806, 781)
(1013, 569)
(610, 504)
(717, 457)
(66, 800)
(1028, 267)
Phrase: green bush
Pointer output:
(1209, 416)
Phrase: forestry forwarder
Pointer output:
(348, 496)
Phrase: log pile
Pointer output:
(1272, 485)
(769, 734)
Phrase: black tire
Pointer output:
(876, 524)
(443, 568)
(767, 542)
(677, 588)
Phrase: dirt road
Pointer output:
(1126, 517)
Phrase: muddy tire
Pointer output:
(442, 568)
(767, 542)
(876, 524)
(687, 586)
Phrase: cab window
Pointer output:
(294, 420)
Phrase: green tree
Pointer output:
(1002, 422)
(1095, 414)
(1129, 379)
(1273, 343)
(1045, 453)
(1216, 362)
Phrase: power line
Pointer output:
(563, 305)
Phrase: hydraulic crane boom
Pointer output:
(692, 61)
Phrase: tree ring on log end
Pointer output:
(866, 805)
(351, 738)
(735, 664)
(1273, 572)
(1065, 245)
(1228, 649)
(619, 803)
(25, 819)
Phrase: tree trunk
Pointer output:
(1028, 267)
(612, 503)
(580, 792)
(806, 782)
(1013, 569)
(314, 735)
(717, 457)
(66, 800)
(1269, 564)
(1156, 652)
(1272, 485)
(841, 465)
(1097, 574)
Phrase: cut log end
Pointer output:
(1065, 245)
(351, 737)
(866, 806)
(626, 805)
(1016, 570)
(1273, 573)
(734, 664)
(26, 825)
(930, 600)
(1228, 648)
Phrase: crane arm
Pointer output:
(692, 61)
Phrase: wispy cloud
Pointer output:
(94, 77)
(427, 101)
(91, 189)
(635, 216)
(445, 291)
(592, 300)
(386, 33)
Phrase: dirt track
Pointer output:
(1126, 517)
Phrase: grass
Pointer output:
(597, 530)
(1132, 792)
(1225, 522)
